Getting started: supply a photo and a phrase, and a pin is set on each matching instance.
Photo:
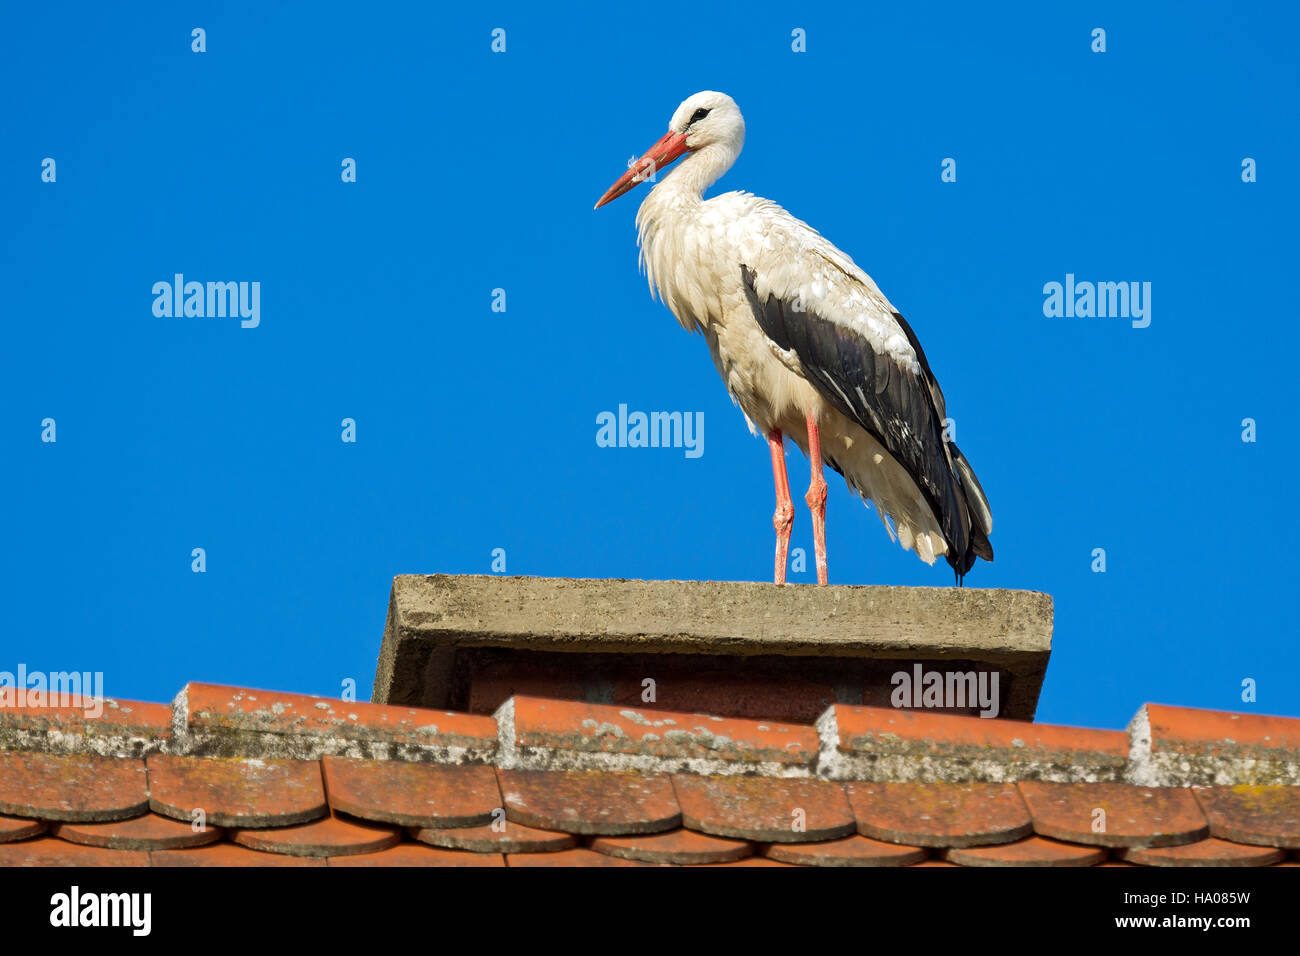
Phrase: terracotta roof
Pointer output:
(237, 777)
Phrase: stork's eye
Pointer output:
(698, 115)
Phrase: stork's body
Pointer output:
(808, 346)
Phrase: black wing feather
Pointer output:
(901, 410)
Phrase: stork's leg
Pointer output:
(783, 519)
(816, 497)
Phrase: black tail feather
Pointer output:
(981, 518)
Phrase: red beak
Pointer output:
(656, 157)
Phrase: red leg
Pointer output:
(783, 520)
(816, 498)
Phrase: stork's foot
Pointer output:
(816, 499)
(783, 522)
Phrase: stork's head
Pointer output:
(707, 118)
(703, 120)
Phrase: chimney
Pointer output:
(731, 649)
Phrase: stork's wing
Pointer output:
(859, 353)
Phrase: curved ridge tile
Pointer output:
(590, 801)
(850, 851)
(1264, 816)
(679, 847)
(765, 809)
(1129, 816)
(149, 832)
(332, 836)
(79, 788)
(1208, 852)
(940, 814)
(502, 837)
(236, 791)
(412, 794)
(51, 851)
(1032, 851)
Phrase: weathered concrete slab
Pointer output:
(447, 635)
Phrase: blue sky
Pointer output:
(476, 429)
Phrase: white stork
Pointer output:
(806, 343)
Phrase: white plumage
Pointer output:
(789, 320)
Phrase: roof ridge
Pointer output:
(1164, 746)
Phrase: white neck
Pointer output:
(697, 172)
(673, 207)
